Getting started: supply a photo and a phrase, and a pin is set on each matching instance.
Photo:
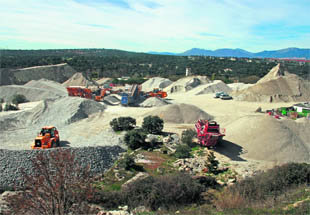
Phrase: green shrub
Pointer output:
(127, 162)
(212, 163)
(153, 124)
(273, 182)
(9, 106)
(123, 124)
(135, 139)
(1, 100)
(182, 151)
(0, 107)
(187, 137)
(164, 191)
(18, 98)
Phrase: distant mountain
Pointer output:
(282, 53)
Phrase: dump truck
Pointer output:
(209, 133)
(47, 138)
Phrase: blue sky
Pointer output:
(155, 25)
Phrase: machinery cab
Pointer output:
(47, 138)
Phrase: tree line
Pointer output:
(99, 63)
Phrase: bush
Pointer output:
(187, 137)
(182, 151)
(127, 162)
(273, 182)
(123, 124)
(212, 164)
(135, 139)
(1, 100)
(9, 106)
(58, 185)
(18, 98)
(153, 124)
(165, 191)
(0, 107)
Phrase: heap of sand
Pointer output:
(155, 82)
(277, 86)
(215, 86)
(180, 113)
(187, 83)
(154, 102)
(265, 138)
(78, 79)
(34, 90)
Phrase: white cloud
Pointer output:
(168, 25)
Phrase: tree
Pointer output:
(123, 124)
(58, 185)
(135, 139)
(182, 151)
(187, 137)
(153, 124)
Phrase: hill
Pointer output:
(282, 53)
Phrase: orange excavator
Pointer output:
(157, 93)
(47, 138)
(80, 92)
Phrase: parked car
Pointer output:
(225, 96)
(218, 94)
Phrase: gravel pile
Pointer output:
(186, 84)
(78, 79)
(180, 113)
(51, 112)
(155, 82)
(58, 73)
(12, 162)
(265, 138)
(34, 90)
(154, 102)
(277, 86)
(239, 86)
(215, 86)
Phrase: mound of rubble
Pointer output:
(277, 86)
(154, 102)
(78, 79)
(180, 113)
(155, 82)
(186, 84)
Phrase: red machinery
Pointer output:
(80, 91)
(157, 93)
(208, 132)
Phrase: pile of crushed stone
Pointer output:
(156, 82)
(265, 138)
(103, 81)
(58, 112)
(215, 86)
(78, 79)
(154, 102)
(187, 83)
(277, 86)
(239, 86)
(180, 113)
(34, 90)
